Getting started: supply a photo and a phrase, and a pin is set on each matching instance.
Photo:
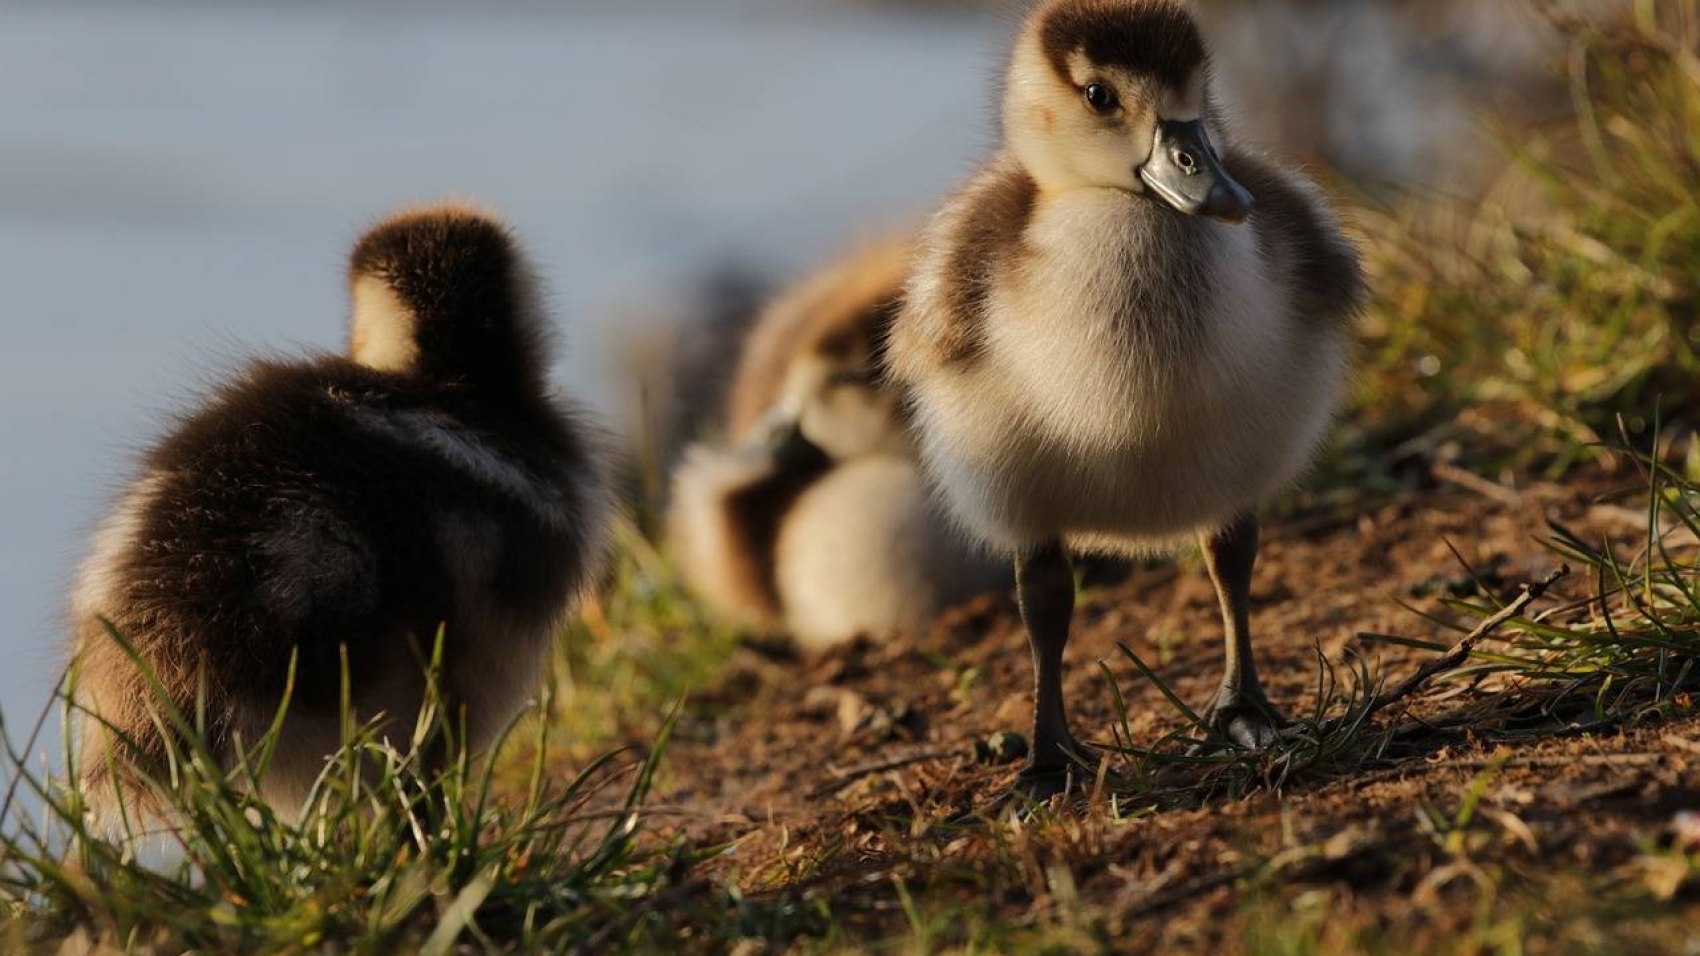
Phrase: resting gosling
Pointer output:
(1125, 332)
(429, 480)
(816, 520)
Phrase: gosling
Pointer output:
(354, 505)
(1126, 332)
(814, 519)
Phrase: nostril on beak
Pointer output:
(1185, 161)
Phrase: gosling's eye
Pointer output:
(1101, 98)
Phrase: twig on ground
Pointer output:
(850, 775)
(1295, 864)
(1465, 478)
(1683, 743)
(1569, 760)
(1460, 652)
(1411, 768)
(1165, 898)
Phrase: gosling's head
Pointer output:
(836, 392)
(1116, 94)
(444, 293)
(833, 387)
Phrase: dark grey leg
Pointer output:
(1240, 709)
(1044, 586)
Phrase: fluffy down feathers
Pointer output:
(327, 504)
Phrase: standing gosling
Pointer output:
(429, 480)
(816, 520)
(1123, 333)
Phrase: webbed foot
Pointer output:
(1244, 719)
(1072, 770)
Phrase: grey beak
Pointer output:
(778, 438)
(1185, 172)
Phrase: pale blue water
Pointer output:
(178, 186)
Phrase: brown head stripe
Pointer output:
(1155, 38)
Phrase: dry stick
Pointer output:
(1485, 487)
(1570, 760)
(1460, 652)
(1574, 760)
(850, 775)
(1163, 899)
(1682, 743)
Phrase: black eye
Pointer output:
(1101, 98)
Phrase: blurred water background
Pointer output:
(179, 182)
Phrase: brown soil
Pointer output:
(837, 776)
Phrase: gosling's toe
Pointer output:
(1242, 719)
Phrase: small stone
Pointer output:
(1002, 747)
(854, 712)
(822, 701)
(1685, 832)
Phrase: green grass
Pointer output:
(1629, 651)
(1514, 332)
(387, 857)
(639, 645)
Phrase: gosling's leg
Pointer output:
(1044, 586)
(1240, 709)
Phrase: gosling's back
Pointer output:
(320, 507)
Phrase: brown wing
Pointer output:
(977, 236)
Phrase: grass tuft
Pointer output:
(641, 640)
(1515, 331)
(1626, 653)
(402, 847)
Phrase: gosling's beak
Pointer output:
(778, 438)
(1185, 172)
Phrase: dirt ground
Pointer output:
(845, 775)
